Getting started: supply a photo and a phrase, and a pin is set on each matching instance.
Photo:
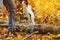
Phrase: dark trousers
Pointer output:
(11, 14)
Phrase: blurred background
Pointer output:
(46, 11)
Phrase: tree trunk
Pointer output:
(41, 28)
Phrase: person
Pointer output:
(29, 10)
(11, 8)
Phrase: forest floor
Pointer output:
(16, 35)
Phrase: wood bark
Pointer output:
(41, 28)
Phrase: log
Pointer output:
(38, 27)
(42, 29)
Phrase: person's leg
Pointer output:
(1, 3)
(11, 21)
(10, 7)
(33, 23)
(32, 19)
